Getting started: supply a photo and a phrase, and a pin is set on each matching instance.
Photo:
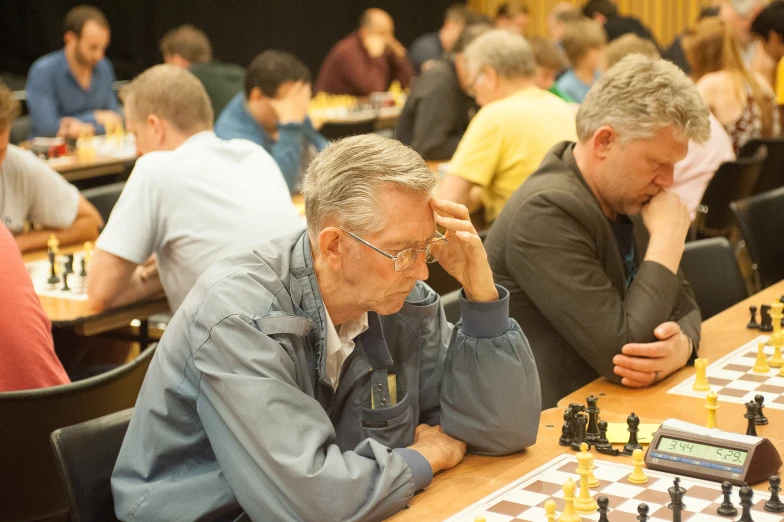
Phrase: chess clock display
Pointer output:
(688, 449)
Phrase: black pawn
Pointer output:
(83, 273)
(603, 503)
(774, 505)
(581, 421)
(603, 445)
(761, 419)
(753, 324)
(766, 322)
(751, 416)
(633, 423)
(746, 493)
(727, 508)
(65, 287)
(53, 279)
(642, 509)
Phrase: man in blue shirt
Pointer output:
(69, 92)
(273, 112)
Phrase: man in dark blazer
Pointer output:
(589, 246)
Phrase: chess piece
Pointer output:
(633, 423)
(53, 279)
(549, 509)
(746, 494)
(643, 509)
(593, 482)
(569, 514)
(602, 444)
(776, 339)
(637, 476)
(761, 364)
(53, 244)
(581, 420)
(604, 508)
(774, 504)
(712, 406)
(65, 287)
(766, 321)
(753, 324)
(592, 431)
(751, 416)
(566, 431)
(584, 502)
(727, 509)
(676, 496)
(701, 379)
(760, 420)
(481, 518)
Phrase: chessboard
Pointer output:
(41, 270)
(523, 500)
(733, 379)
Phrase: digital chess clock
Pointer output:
(688, 449)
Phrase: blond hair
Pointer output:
(580, 36)
(713, 46)
(173, 94)
(640, 95)
(343, 182)
(627, 44)
(9, 108)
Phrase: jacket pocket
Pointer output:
(393, 427)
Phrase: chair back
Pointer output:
(733, 180)
(86, 454)
(771, 176)
(760, 220)
(104, 198)
(32, 489)
(712, 269)
(335, 131)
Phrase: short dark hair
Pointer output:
(77, 16)
(770, 19)
(469, 34)
(603, 7)
(457, 12)
(189, 42)
(269, 70)
(511, 9)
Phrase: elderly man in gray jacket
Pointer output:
(316, 378)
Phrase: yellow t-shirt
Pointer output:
(507, 140)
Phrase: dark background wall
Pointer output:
(238, 29)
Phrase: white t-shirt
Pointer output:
(197, 204)
(31, 191)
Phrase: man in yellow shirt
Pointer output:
(517, 125)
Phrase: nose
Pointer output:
(666, 178)
(419, 269)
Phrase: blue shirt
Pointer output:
(53, 93)
(236, 122)
(571, 85)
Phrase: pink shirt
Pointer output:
(27, 358)
(694, 172)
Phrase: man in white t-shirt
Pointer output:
(191, 199)
(31, 193)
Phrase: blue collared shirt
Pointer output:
(53, 93)
(236, 122)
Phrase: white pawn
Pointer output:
(638, 476)
(569, 514)
(549, 509)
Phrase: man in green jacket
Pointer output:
(589, 245)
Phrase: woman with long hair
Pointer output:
(741, 99)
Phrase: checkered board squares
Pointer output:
(39, 272)
(523, 500)
(733, 379)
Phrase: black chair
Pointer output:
(772, 175)
(733, 180)
(711, 268)
(104, 198)
(335, 131)
(32, 489)
(451, 303)
(86, 454)
(760, 219)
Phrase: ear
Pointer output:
(255, 95)
(603, 140)
(156, 124)
(491, 76)
(331, 247)
(69, 36)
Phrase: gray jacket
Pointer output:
(237, 414)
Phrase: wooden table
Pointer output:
(79, 316)
(478, 476)
(74, 169)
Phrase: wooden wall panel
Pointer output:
(666, 18)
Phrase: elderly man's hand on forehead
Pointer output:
(463, 256)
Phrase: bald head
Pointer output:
(377, 21)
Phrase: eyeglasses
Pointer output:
(405, 259)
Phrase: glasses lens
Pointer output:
(405, 259)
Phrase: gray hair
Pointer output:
(640, 95)
(342, 182)
(508, 53)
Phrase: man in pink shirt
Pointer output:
(368, 60)
(27, 358)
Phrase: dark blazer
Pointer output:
(555, 251)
